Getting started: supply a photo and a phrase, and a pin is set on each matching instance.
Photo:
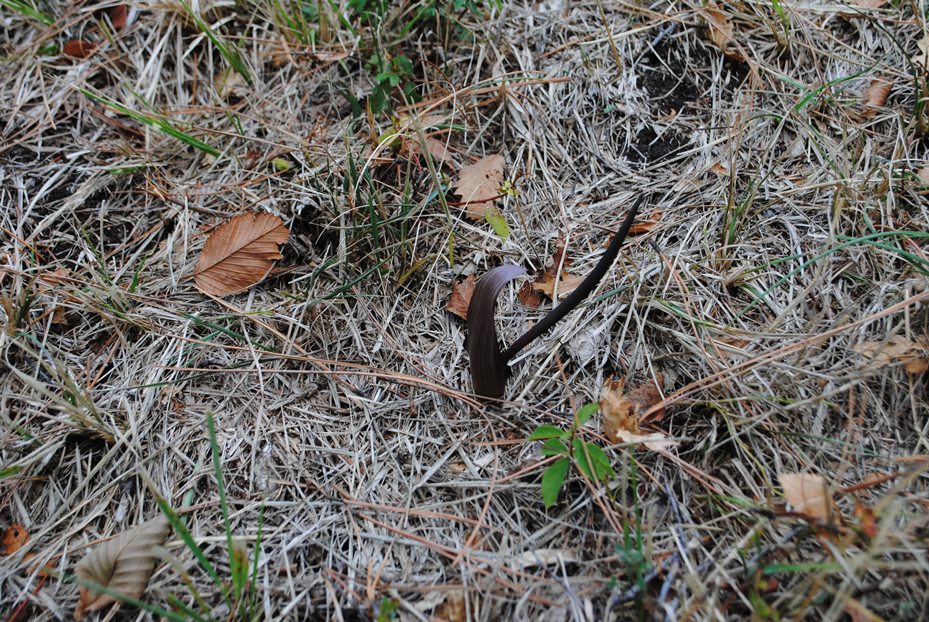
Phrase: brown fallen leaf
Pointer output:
(622, 413)
(240, 253)
(646, 225)
(460, 298)
(452, 610)
(78, 48)
(412, 148)
(529, 296)
(808, 494)
(867, 520)
(922, 56)
(15, 537)
(875, 96)
(119, 15)
(720, 30)
(123, 564)
(566, 284)
(479, 185)
(898, 349)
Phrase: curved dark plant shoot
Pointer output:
(489, 368)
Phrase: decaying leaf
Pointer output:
(529, 296)
(566, 284)
(479, 185)
(876, 95)
(119, 15)
(622, 413)
(436, 148)
(78, 48)
(913, 354)
(720, 30)
(14, 538)
(808, 494)
(240, 253)
(922, 57)
(452, 610)
(644, 226)
(458, 302)
(123, 564)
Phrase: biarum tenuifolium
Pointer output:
(489, 368)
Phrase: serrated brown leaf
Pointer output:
(78, 48)
(240, 253)
(123, 564)
(622, 413)
(479, 185)
(460, 298)
(14, 538)
(808, 494)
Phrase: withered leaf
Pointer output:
(644, 226)
(529, 296)
(78, 48)
(14, 538)
(808, 494)
(876, 95)
(460, 298)
(566, 284)
(123, 564)
(240, 253)
(119, 15)
(622, 413)
(913, 354)
(479, 185)
(922, 57)
(720, 29)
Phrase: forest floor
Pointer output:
(773, 295)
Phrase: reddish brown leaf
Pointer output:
(720, 30)
(119, 15)
(240, 253)
(876, 95)
(479, 185)
(78, 48)
(644, 226)
(529, 296)
(458, 302)
(14, 538)
(898, 349)
(867, 520)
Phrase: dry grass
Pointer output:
(340, 392)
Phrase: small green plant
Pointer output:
(588, 457)
(391, 72)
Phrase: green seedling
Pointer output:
(588, 457)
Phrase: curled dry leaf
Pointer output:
(123, 564)
(644, 226)
(479, 185)
(808, 494)
(240, 253)
(14, 538)
(458, 302)
(78, 48)
(720, 30)
(622, 413)
(529, 295)
(913, 354)
(875, 96)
